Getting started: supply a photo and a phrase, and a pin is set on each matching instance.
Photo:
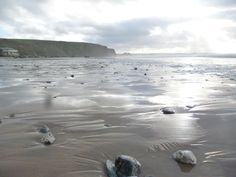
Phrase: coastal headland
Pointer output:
(45, 48)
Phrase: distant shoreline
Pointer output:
(29, 48)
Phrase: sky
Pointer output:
(136, 26)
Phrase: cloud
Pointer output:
(138, 33)
(229, 14)
(121, 24)
(231, 32)
(223, 3)
(10, 7)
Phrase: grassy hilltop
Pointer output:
(42, 48)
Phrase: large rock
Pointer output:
(125, 166)
(185, 156)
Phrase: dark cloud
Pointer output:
(136, 33)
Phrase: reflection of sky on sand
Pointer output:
(180, 94)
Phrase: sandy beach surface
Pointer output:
(98, 108)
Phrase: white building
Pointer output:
(8, 52)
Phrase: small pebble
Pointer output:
(190, 106)
(167, 110)
(12, 115)
(107, 125)
(44, 129)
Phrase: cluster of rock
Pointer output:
(126, 166)
(47, 137)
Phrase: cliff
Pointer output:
(42, 48)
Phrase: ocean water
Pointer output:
(99, 108)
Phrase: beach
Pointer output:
(99, 108)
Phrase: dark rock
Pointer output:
(167, 110)
(127, 166)
(107, 125)
(72, 75)
(48, 82)
(44, 129)
(190, 106)
(135, 68)
(145, 74)
(12, 115)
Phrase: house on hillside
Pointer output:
(9, 52)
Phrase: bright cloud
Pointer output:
(126, 25)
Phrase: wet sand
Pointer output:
(100, 108)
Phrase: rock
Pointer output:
(167, 110)
(190, 106)
(107, 125)
(12, 115)
(48, 139)
(111, 169)
(72, 75)
(185, 156)
(125, 166)
(135, 68)
(44, 129)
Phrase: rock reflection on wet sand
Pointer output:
(117, 110)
